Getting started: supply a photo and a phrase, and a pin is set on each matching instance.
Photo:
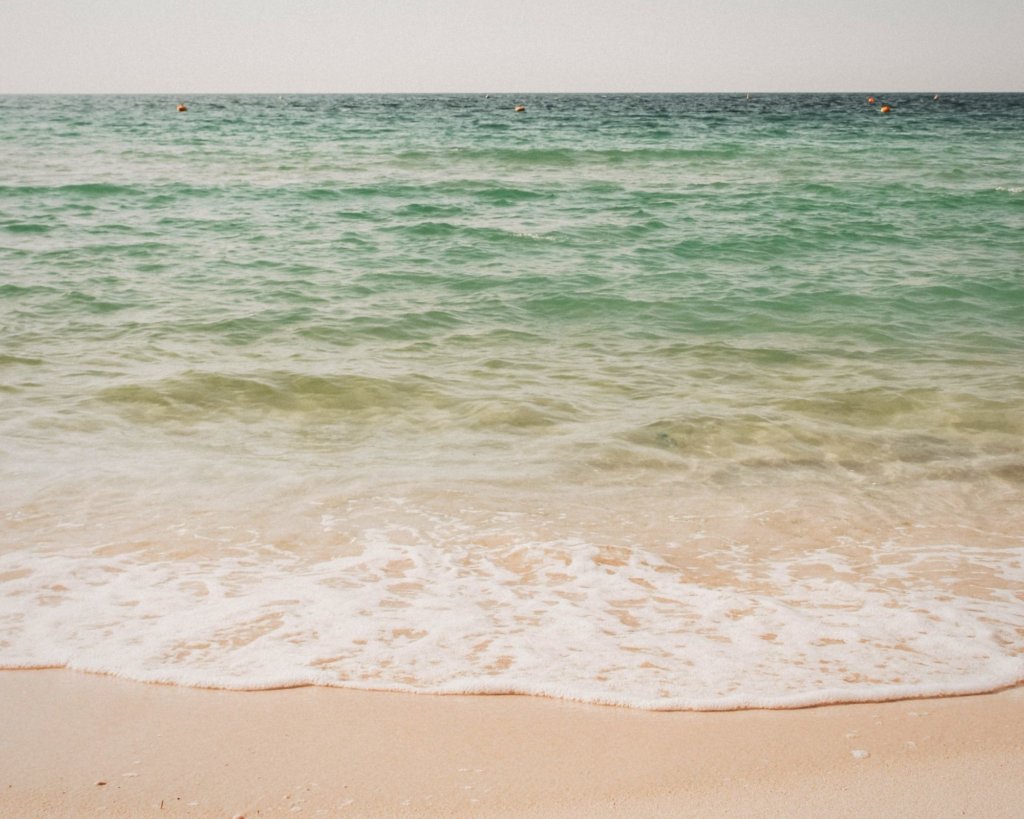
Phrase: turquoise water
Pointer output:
(610, 399)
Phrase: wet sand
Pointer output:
(168, 751)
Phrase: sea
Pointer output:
(699, 401)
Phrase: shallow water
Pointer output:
(666, 401)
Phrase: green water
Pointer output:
(778, 324)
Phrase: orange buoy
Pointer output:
(182, 107)
(520, 109)
(871, 100)
(885, 109)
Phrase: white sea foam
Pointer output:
(453, 614)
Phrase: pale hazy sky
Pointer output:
(192, 46)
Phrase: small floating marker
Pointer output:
(872, 100)
(936, 98)
(885, 109)
(520, 109)
(182, 107)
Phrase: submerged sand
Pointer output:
(168, 751)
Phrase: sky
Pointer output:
(517, 46)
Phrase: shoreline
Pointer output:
(171, 751)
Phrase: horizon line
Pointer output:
(487, 93)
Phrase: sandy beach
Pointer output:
(76, 744)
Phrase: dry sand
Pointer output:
(163, 751)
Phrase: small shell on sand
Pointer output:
(859, 754)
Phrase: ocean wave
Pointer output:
(26, 227)
(97, 190)
(199, 394)
(564, 619)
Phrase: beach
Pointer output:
(171, 751)
(382, 453)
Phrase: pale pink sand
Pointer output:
(330, 752)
